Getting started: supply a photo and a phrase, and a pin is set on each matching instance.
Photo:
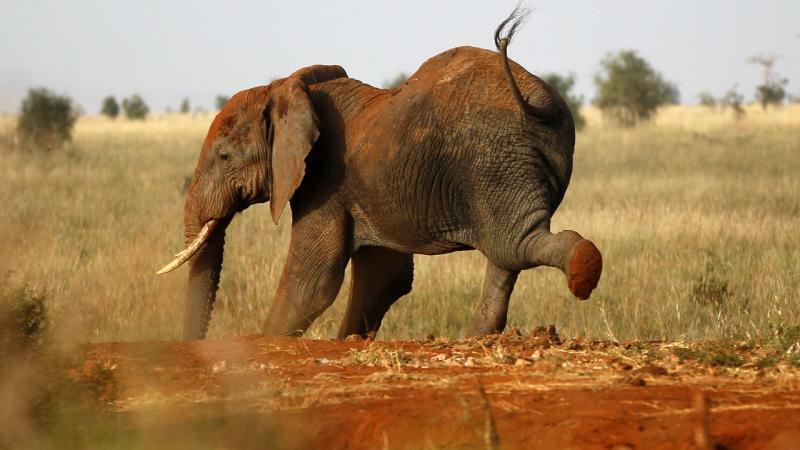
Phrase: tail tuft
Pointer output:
(517, 18)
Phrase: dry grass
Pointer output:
(682, 207)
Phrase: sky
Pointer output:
(169, 50)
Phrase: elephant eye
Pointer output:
(224, 156)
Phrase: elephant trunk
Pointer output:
(204, 272)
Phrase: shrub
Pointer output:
(564, 85)
(629, 90)
(110, 107)
(220, 101)
(46, 119)
(185, 107)
(771, 93)
(23, 320)
(711, 287)
(135, 107)
(708, 100)
(398, 79)
(734, 100)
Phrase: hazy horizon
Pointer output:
(166, 52)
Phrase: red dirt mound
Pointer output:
(508, 391)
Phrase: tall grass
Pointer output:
(694, 204)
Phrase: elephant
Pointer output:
(471, 153)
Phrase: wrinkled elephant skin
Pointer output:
(472, 152)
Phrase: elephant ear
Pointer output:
(319, 73)
(294, 130)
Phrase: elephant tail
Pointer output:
(501, 40)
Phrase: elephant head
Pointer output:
(254, 152)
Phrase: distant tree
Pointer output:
(773, 93)
(629, 90)
(185, 107)
(673, 95)
(135, 108)
(46, 119)
(734, 100)
(706, 99)
(220, 101)
(772, 90)
(564, 84)
(110, 107)
(398, 79)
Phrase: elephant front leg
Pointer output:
(380, 277)
(312, 276)
(492, 310)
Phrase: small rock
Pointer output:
(654, 370)
(540, 341)
(634, 381)
(322, 361)
(522, 362)
(353, 338)
(470, 362)
(548, 331)
(537, 355)
(514, 331)
(218, 366)
(439, 357)
(573, 344)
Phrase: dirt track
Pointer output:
(500, 392)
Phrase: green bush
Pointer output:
(220, 101)
(711, 287)
(734, 100)
(564, 85)
(23, 320)
(771, 93)
(629, 90)
(708, 100)
(135, 107)
(185, 107)
(398, 80)
(46, 119)
(110, 107)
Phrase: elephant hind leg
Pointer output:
(492, 310)
(379, 277)
(578, 258)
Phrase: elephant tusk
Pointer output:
(184, 255)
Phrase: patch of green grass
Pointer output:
(24, 321)
(721, 358)
(714, 355)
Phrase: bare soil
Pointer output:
(508, 391)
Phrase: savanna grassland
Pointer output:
(697, 215)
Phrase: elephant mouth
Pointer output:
(185, 254)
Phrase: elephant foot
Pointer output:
(584, 269)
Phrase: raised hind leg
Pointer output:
(578, 258)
